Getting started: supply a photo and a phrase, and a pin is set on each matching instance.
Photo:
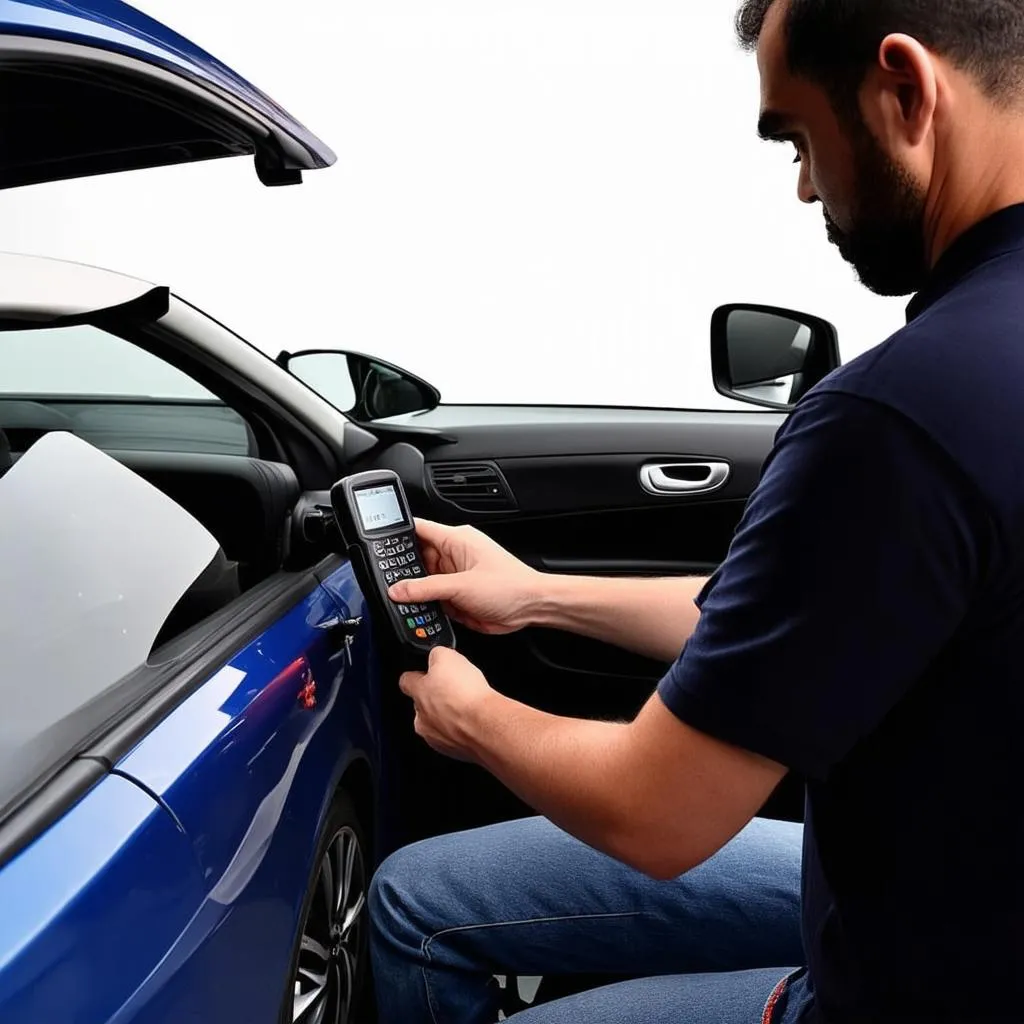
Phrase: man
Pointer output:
(864, 631)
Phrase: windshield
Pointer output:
(92, 561)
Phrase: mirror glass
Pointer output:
(767, 355)
(362, 387)
(327, 373)
(388, 392)
(783, 390)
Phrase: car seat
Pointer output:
(215, 588)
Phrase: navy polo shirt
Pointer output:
(867, 631)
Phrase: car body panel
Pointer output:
(35, 291)
(248, 765)
(93, 905)
(116, 39)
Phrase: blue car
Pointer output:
(191, 753)
(203, 750)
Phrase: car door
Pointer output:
(162, 809)
(241, 740)
(589, 491)
(118, 91)
(252, 766)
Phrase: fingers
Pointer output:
(441, 656)
(427, 588)
(432, 537)
(430, 532)
(438, 657)
(408, 682)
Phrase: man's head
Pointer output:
(893, 106)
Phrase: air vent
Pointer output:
(472, 486)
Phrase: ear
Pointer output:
(900, 92)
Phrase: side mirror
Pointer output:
(361, 386)
(768, 356)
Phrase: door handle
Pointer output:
(341, 632)
(345, 627)
(674, 478)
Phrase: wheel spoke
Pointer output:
(352, 915)
(330, 946)
(308, 1007)
(327, 874)
(346, 981)
(351, 850)
(309, 945)
(318, 980)
(321, 1010)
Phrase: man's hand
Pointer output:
(477, 581)
(447, 699)
(484, 587)
(654, 793)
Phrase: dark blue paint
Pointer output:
(115, 26)
(130, 919)
(92, 907)
(347, 596)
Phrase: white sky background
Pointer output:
(535, 200)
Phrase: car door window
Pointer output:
(93, 559)
(111, 393)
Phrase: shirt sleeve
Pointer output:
(852, 567)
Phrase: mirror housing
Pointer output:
(767, 356)
(363, 387)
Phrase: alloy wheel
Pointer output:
(331, 946)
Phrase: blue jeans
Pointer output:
(525, 898)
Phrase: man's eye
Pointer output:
(798, 158)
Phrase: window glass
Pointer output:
(93, 559)
(109, 392)
(85, 360)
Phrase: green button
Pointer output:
(411, 623)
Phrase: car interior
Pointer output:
(244, 501)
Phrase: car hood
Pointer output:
(92, 86)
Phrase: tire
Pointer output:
(329, 962)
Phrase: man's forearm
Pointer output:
(652, 617)
(653, 793)
(565, 769)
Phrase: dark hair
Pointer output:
(833, 42)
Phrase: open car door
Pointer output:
(97, 86)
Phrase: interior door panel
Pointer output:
(576, 503)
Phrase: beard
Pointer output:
(885, 240)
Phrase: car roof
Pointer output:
(36, 290)
(124, 34)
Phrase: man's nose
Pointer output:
(805, 188)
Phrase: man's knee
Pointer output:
(398, 896)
